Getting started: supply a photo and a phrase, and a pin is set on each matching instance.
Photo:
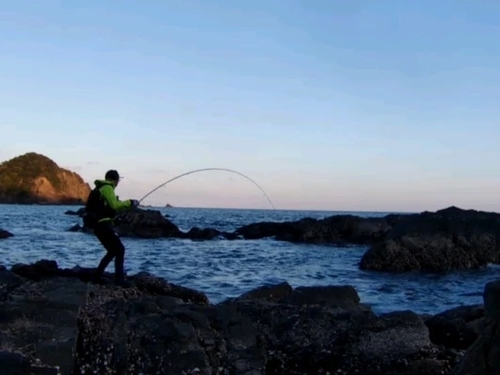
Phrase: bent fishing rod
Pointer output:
(203, 170)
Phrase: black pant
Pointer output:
(108, 237)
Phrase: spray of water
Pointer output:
(204, 170)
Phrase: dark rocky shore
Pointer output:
(445, 240)
(55, 321)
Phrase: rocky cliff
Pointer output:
(32, 178)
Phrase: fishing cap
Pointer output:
(112, 175)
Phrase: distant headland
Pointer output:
(33, 178)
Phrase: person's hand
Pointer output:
(134, 203)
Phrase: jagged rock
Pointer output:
(5, 234)
(457, 328)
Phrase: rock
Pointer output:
(4, 234)
(450, 239)
(153, 326)
(146, 224)
(41, 304)
(80, 212)
(32, 178)
(265, 331)
(482, 357)
(42, 318)
(335, 229)
(153, 224)
(202, 234)
(457, 328)
(14, 363)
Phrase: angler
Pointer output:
(101, 208)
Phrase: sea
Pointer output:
(224, 269)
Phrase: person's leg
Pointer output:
(105, 234)
(119, 260)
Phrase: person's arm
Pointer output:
(109, 195)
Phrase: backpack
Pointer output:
(92, 209)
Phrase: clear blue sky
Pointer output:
(348, 105)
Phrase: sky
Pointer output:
(327, 105)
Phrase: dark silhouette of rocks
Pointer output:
(5, 234)
(445, 240)
(457, 328)
(143, 223)
(482, 358)
(56, 318)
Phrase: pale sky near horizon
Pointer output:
(334, 105)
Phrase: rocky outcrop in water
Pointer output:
(449, 239)
(143, 223)
(5, 234)
(55, 317)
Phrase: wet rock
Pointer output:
(457, 328)
(5, 234)
(450, 239)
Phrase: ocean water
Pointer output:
(224, 269)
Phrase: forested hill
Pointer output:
(34, 178)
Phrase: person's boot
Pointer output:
(120, 276)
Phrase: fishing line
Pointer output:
(208, 169)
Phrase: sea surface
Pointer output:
(224, 269)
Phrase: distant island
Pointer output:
(33, 178)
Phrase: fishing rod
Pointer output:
(204, 170)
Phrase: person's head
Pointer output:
(112, 176)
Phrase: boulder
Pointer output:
(482, 357)
(457, 328)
